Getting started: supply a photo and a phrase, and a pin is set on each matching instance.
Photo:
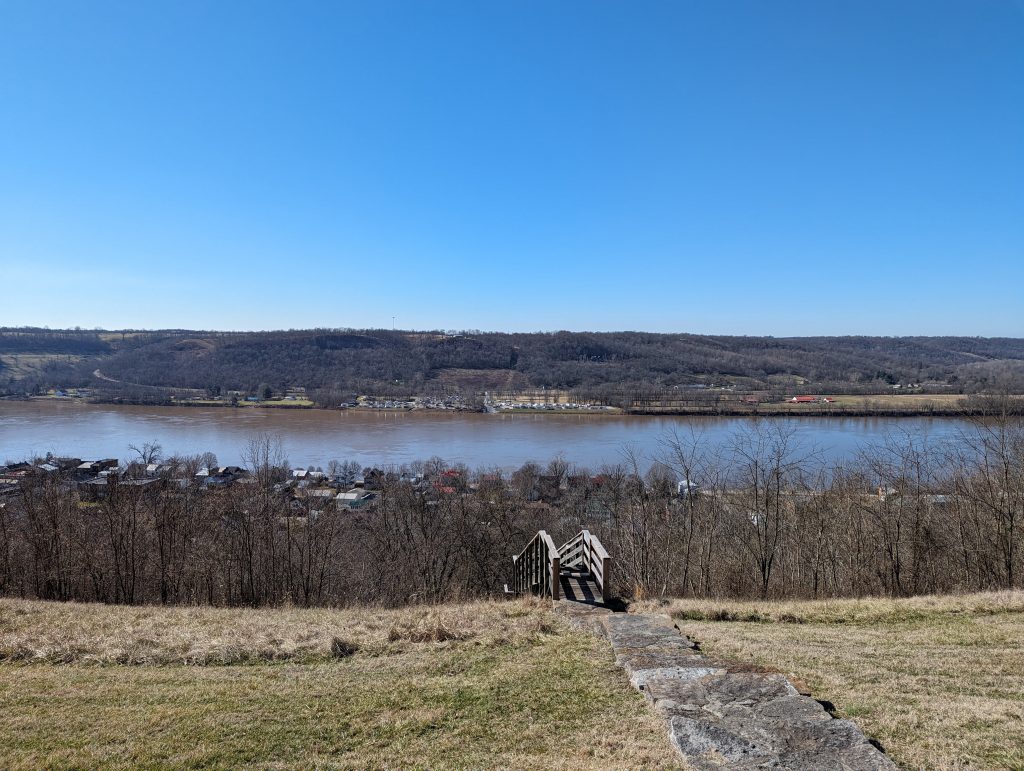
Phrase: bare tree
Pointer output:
(150, 452)
(767, 462)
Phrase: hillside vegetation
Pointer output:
(339, 362)
(938, 680)
(470, 685)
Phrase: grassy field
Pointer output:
(286, 403)
(474, 685)
(938, 681)
(900, 401)
(880, 403)
(21, 365)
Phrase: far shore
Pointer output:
(844, 405)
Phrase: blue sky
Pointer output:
(737, 167)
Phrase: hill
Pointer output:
(471, 685)
(337, 363)
(498, 684)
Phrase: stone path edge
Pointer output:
(719, 714)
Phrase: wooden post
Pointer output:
(606, 575)
(556, 578)
(535, 558)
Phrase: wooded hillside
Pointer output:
(368, 361)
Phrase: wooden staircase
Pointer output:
(578, 571)
(577, 586)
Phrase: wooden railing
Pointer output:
(584, 552)
(537, 569)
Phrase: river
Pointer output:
(314, 437)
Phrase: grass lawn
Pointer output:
(481, 685)
(938, 681)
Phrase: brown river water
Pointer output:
(314, 437)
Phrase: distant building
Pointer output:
(354, 500)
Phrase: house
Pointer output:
(453, 478)
(804, 399)
(354, 500)
(98, 488)
(222, 475)
(90, 468)
(318, 493)
(686, 487)
(16, 473)
(373, 479)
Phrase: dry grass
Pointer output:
(22, 365)
(481, 379)
(938, 680)
(472, 685)
(898, 401)
(65, 633)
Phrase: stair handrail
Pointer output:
(537, 568)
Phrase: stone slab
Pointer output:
(719, 715)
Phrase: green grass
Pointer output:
(482, 685)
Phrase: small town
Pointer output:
(347, 487)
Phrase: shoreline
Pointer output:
(762, 411)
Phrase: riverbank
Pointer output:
(839, 406)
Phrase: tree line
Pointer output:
(760, 518)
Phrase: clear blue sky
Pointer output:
(728, 167)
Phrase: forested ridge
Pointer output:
(367, 361)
